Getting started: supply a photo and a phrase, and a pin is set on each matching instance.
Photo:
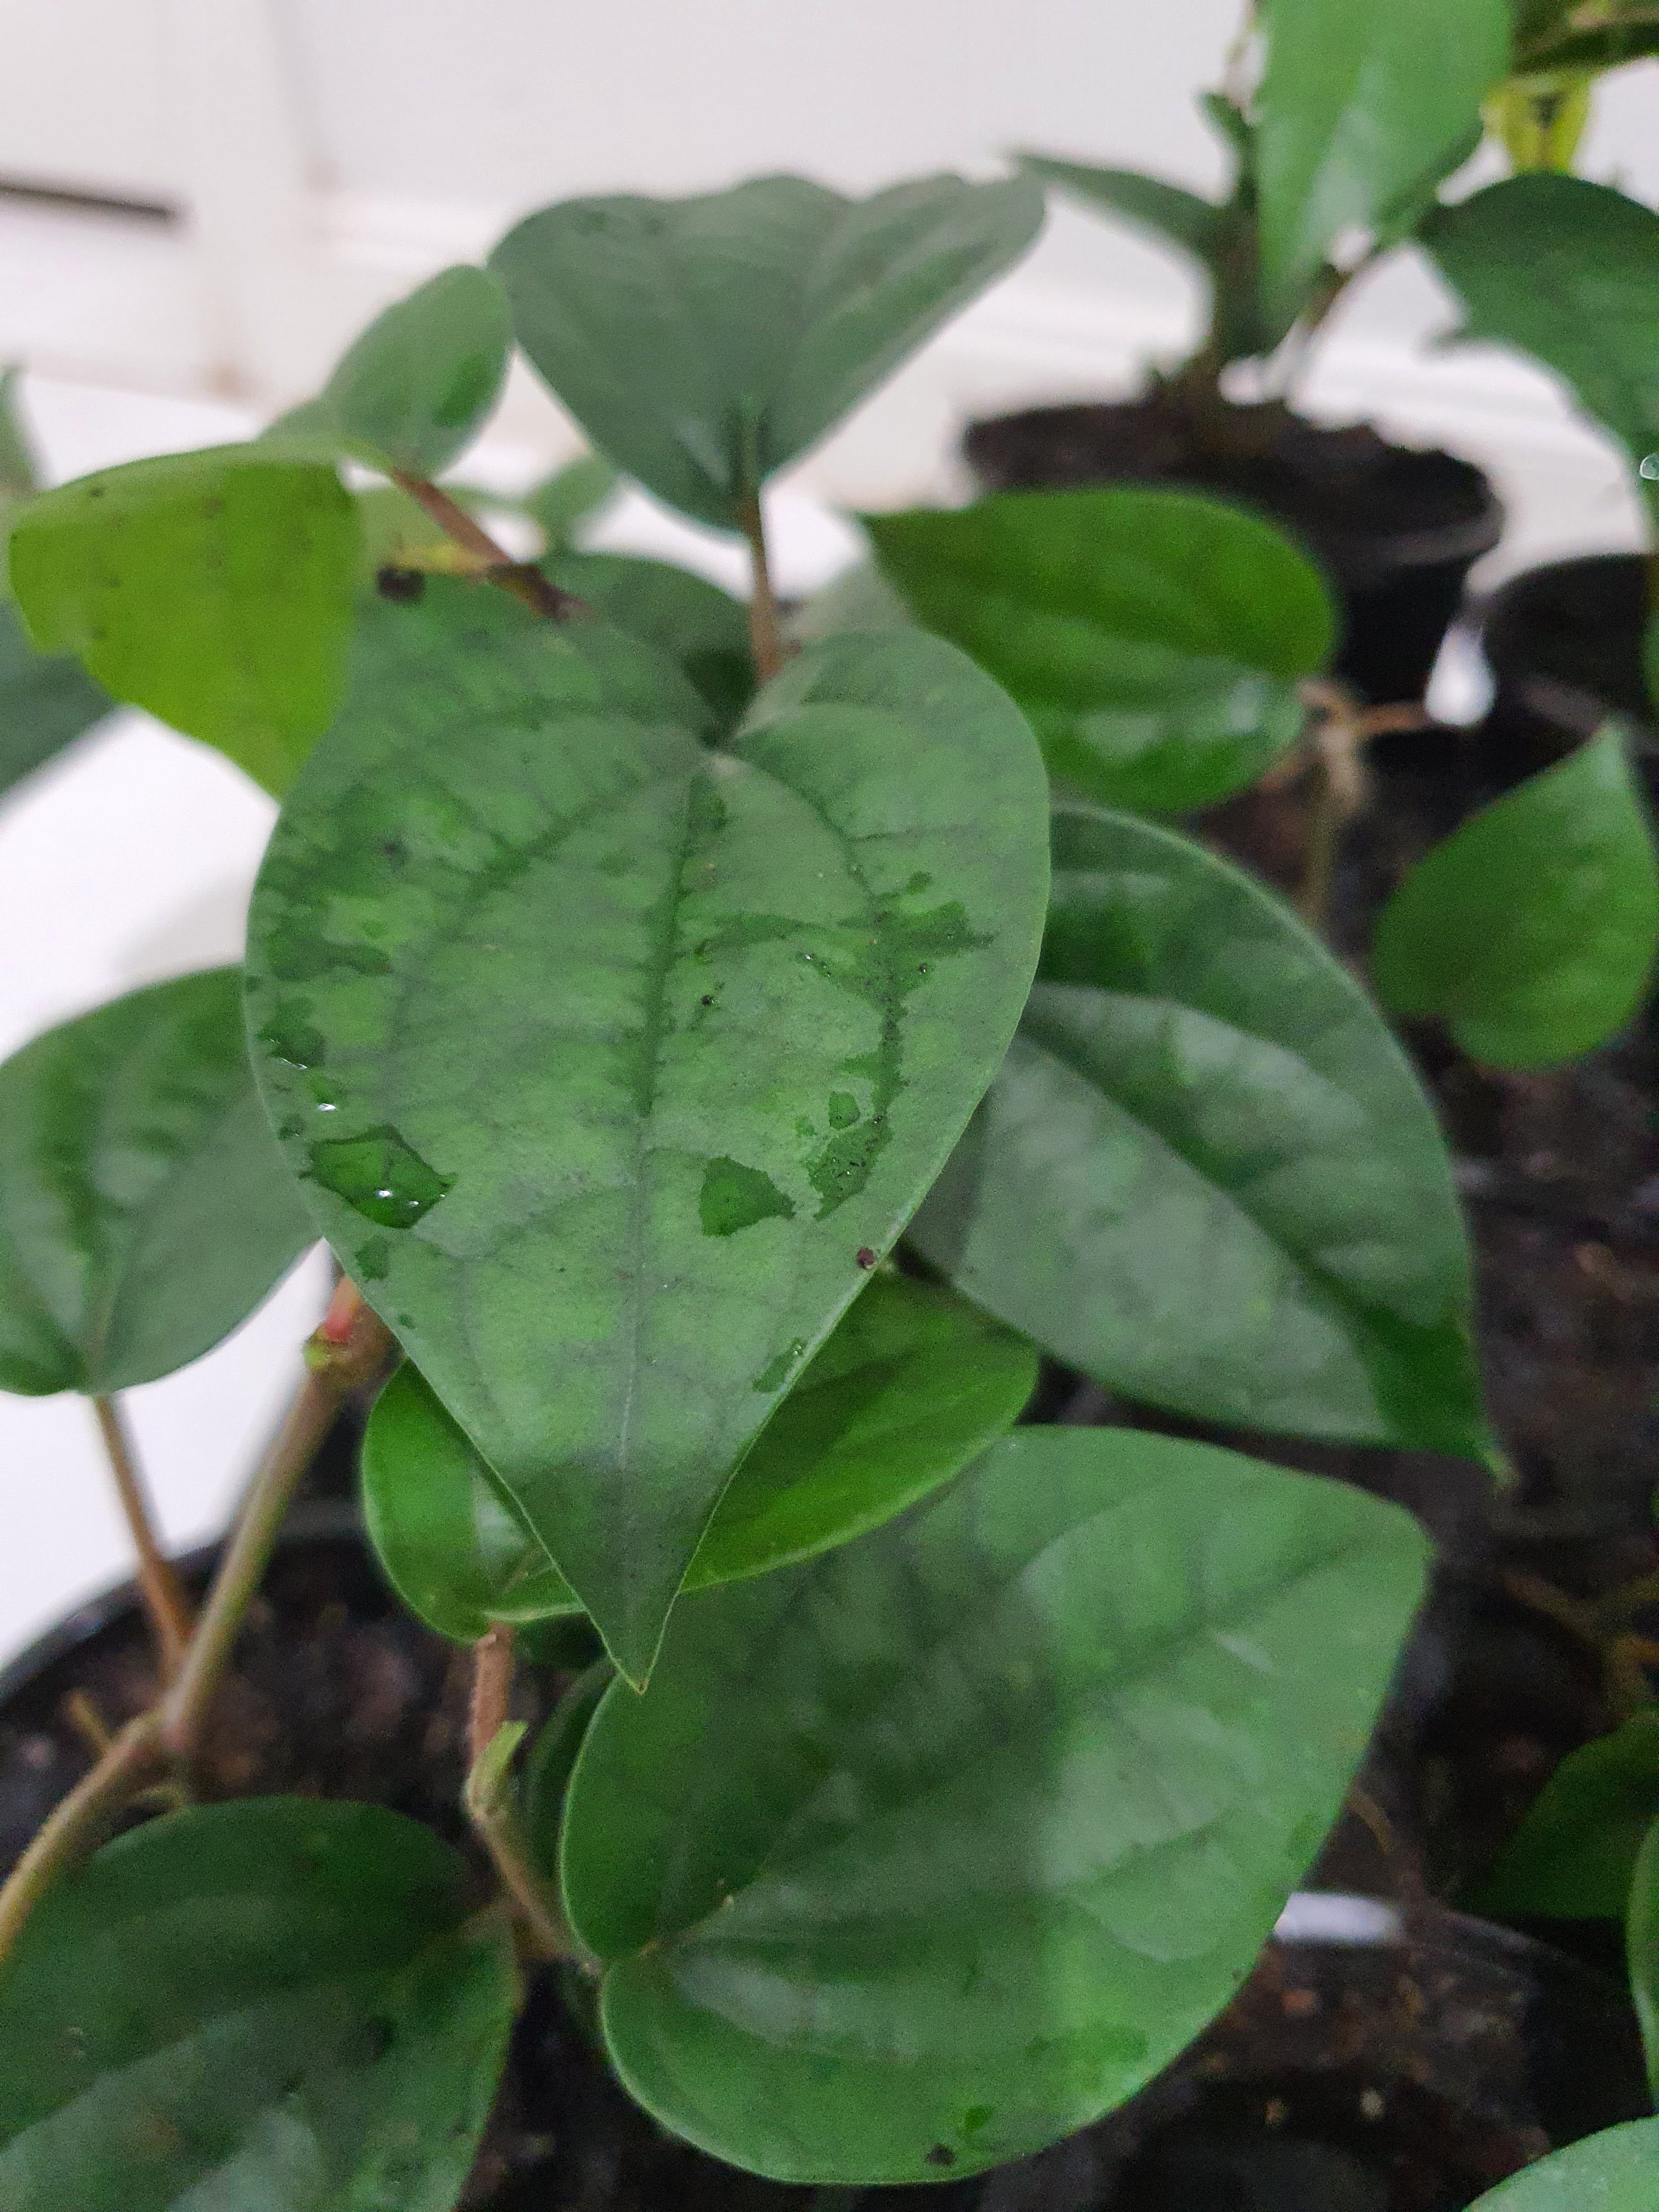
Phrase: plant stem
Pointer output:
(163, 1592)
(522, 578)
(77, 1825)
(492, 1688)
(765, 631)
(347, 1349)
(489, 1798)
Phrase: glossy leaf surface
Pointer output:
(1617, 2170)
(703, 342)
(1206, 1174)
(1572, 1857)
(1152, 637)
(1351, 123)
(46, 700)
(611, 1063)
(914, 1858)
(908, 1387)
(413, 391)
(213, 588)
(1531, 930)
(702, 629)
(275, 2003)
(448, 1534)
(1567, 272)
(144, 1210)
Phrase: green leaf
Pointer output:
(46, 700)
(213, 588)
(1568, 272)
(1351, 123)
(913, 1859)
(1198, 226)
(548, 1769)
(415, 388)
(569, 496)
(1642, 1937)
(275, 2002)
(860, 598)
(702, 629)
(452, 1543)
(1617, 2170)
(1572, 1857)
(1206, 1174)
(1531, 930)
(1152, 637)
(144, 1211)
(20, 473)
(585, 1035)
(703, 342)
(910, 1386)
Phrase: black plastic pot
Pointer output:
(1564, 643)
(1396, 530)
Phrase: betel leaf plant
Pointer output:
(717, 1085)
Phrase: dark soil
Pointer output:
(1564, 644)
(1396, 530)
(1406, 2077)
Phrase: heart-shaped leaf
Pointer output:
(278, 2002)
(1532, 929)
(214, 588)
(612, 1063)
(1617, 2170)
(910, 1386)
(1350, 124)
(144, 1210)
(1206, 1174)
(703, 342)
(1568, 272)
(1154, 638)
(702, 629)
(916, 1857)
(46, 700)
(1573, 1855)
(414, 390)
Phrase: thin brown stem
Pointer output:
(79, 1824)
(168, 1608)
(492, 1689)
(522, 578)
(347, 1349)
(765, 630)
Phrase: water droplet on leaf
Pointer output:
(385, 1179)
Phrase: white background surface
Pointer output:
(327, 154)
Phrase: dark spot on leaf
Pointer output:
(374, 1259)
(383, 1178)
(735, 1197)
(975, 2117)
(707, 1000)
(941, 2154)
(377, 2037)
(290, 1035)
(867, 1257)
(405, 586)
